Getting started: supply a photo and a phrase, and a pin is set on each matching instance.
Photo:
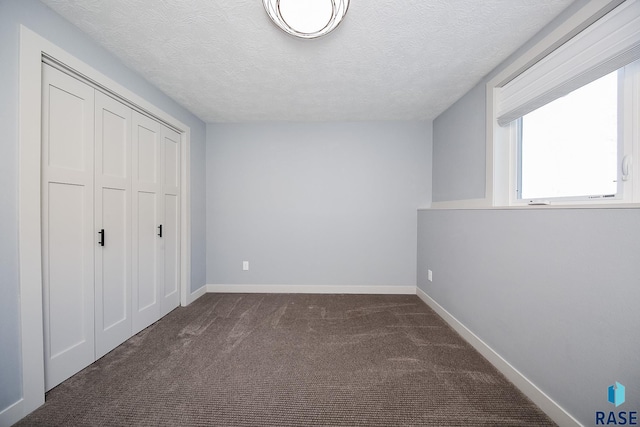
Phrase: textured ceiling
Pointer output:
(225, 61)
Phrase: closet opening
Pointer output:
(70, 179)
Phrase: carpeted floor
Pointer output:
(292, 360)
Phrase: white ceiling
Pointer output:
(225, 61)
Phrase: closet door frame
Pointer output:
(33, 50)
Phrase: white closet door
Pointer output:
(68, 233)
(171, 224)
(147, 216)
(113, 215)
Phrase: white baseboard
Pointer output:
(550, 407)
(196, 294)
(12, 414)
(311, 289)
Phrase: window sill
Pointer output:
(482, 204)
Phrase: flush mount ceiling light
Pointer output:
(306, 19)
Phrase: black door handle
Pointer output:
(101, 233)
(160, 230)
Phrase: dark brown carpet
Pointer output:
(292, 360)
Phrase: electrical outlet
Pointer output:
(430, 275)
(245, 265)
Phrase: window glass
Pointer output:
(569, 147)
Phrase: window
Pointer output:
(563, 121)
(569, 148)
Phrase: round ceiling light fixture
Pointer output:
(306, 19)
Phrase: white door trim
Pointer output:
(32, 48)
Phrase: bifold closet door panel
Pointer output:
(171, 224)
(68, 233)
(147, 217)
(113, 215)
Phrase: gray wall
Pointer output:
(459, 172)
(48, 24)
(554, 292)
(316, 204)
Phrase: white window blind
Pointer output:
(608, 44)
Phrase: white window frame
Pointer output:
(501, 155)
(625, 147)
